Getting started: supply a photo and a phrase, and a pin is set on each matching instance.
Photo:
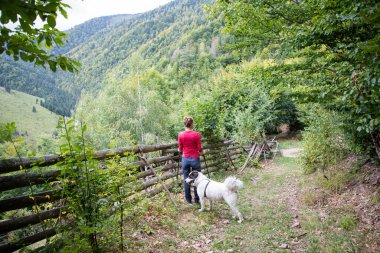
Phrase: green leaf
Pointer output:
(70, 129)
(25, 26)
(51, 21)
(31, 58)
(24, 57)
(63, 12)
(52, 65)
(62, 65)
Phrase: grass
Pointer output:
(17, 107)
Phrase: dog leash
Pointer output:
(178, 167)
(208, 172)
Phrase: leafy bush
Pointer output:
(245, 103)
(207, 116)
(324, 140)
(253, 121)
(92, 190)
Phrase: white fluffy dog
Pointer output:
(213, 191)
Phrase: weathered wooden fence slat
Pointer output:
(20, 222)
(13, 246)
(27, 179)
(15, 164)
(29, 200)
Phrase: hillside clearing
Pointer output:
(280, 217)
(17, 107)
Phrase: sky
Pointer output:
(83, 10)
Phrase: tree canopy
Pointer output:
(332, 50)
(21, 38)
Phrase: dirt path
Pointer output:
(291, 152)
(291, 198)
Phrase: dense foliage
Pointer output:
(333, 46)
(28, 42)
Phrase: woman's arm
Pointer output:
(199, 144)
(180, 143)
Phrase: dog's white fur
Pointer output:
(215, 191)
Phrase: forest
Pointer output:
(242, 69)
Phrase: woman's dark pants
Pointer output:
(188, 165)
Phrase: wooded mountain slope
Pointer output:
(177, 34)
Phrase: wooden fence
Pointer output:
(21, 225)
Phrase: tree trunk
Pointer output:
(376, 141)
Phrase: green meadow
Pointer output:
(18, 107)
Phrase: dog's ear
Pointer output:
(194, 174)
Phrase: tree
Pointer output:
(29, 43)
(337, 44)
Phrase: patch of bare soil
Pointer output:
(291, 196)
(291, 152)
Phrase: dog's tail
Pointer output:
(233, 184)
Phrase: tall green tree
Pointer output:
(338, 43)
(20, 38)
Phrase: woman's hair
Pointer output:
(188, 121)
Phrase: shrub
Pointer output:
(252, 122)
(208, 118)
(324, 140)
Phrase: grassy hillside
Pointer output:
(17, 107)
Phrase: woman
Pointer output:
(189, 143)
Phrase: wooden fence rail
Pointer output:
(22, 173)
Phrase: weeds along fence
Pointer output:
(32, 204)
